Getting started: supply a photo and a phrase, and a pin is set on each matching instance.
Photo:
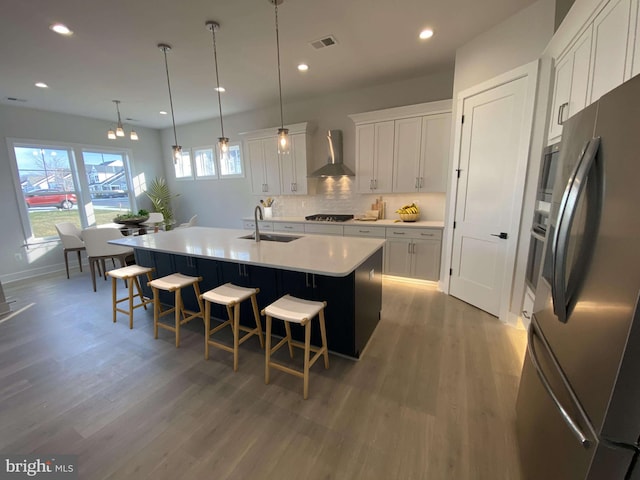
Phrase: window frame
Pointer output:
(79, 174)
(214, 151)
(233, 175)
(174, 165)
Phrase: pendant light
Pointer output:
(177, 149)
(284, 141)
(223, 142)
(119, 131)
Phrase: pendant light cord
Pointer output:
(117, 102)
(279, 79)
(173, 120)
(215, 59)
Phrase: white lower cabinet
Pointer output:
(288, 227)
(413, 252)
(323, 229)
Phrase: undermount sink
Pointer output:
(269, 237)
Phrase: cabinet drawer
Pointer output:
(364, 231)
(288, 227)
(424, 233)
(264, 226)
(323, 229)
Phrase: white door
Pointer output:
(487, 203)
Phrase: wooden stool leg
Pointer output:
(287, 329)
(178, 310)
(130, 286)
(79, 263)
(323, 334)
(307, 342)
(141, 296)
(256, 315)
(207, 328)
(113, 297)
(156, 311)
(236, 334)
(196, 288)
(267, 351)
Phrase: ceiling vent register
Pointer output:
(324, 42)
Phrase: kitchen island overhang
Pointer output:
(346, 272)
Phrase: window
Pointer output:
(183, 166)
(208, 165)
(205, 162)
(68, 184)
(232, 165)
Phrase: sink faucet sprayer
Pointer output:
(257, 212)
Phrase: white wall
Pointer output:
(225, 202)
(517, 41)
(37, 125)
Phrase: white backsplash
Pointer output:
(337, 195)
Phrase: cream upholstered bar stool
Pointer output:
(230, 296)
(174, 283)
(296, 310)
(130, 275)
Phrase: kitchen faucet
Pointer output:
(257, 212)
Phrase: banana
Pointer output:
(413, 208)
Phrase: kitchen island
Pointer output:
(343, 271)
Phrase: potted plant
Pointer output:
(160, 196)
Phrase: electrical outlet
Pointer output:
(18, 257)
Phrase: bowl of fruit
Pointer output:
(409, 213)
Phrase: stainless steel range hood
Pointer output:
(334, 167)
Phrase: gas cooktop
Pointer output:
(328, 217)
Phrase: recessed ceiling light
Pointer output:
(42, 85)
(427, 33)
(303, 67)
(219, 89)
(162, 112)
(61, 29)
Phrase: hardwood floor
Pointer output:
(433, 396)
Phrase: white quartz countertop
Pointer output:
(380, 223)
(321, 254)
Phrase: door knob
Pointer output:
(502, 235)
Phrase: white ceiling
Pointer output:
(113, 52)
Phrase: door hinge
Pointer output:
(462, 118)
(450, 271)
(454, 224)
(458, 172)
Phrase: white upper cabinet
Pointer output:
(293, 167)
(374, 155)
(275, 174)
(571, 83)
(403, 149)
(612, 45)
(596, 49)
(263, 164)
(434, 152)
(421, 153)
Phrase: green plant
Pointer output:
(160, 196)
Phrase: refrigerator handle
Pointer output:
(575, 429)
(568, 206)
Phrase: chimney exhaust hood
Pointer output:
(334, 166)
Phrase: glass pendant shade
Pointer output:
(119, 132)
(111, 135)
(284, 142)
(177, 153)
(223, 148)
(134, 135)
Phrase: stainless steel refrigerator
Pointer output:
(578, 407)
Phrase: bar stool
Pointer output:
(296, 310)
(231, 296)
(130, 275)
(174, 283)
